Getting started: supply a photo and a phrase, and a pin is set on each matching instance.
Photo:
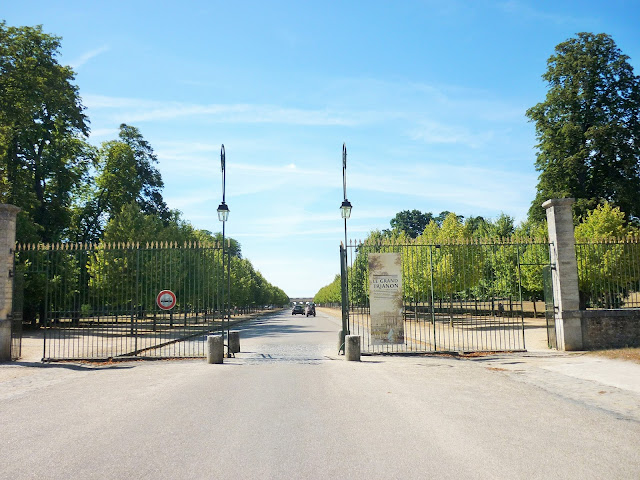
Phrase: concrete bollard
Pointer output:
(5, 340)
(352, 348)
(234, 342)
(215, 349)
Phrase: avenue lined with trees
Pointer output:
(70, 191)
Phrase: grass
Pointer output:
(631, 354)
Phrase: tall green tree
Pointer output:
(149, 197)
(43, 156)
(588, 127)
(411, 222)
(125, 173)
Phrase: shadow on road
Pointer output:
(70, 366)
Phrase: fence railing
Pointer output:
(457, 296)
(100, 301)
(609, 273)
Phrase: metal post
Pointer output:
(229, 351)
(345, 299)
(224, 288)
(345, 209)
(223, 213)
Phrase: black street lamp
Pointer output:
(345, 211)
(223, 216)
(223, 210)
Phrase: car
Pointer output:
(310, 309)
(297, 309)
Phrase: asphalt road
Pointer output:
(288, 407)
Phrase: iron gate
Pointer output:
(96, 302)
(457, 297)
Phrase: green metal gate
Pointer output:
(456, 297)
(96, 302)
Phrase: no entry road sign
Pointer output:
(166, 299)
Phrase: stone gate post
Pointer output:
(7, 243)
(565, 274)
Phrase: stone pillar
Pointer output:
(352, 348)
(7, 244)
(215, 349)
(566, 296)
(234, 342)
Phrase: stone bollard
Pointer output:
(352, 348)
(5, 340)
(215, 349)
(234, 342)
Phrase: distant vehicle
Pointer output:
(311, 309)
(297, 309)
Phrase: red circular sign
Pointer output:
(166, 299)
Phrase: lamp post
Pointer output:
(345, 211)
(223, 215)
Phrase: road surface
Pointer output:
(289, 407)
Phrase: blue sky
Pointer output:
(429, 97)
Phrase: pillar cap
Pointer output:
(558, 202)
(5, 207)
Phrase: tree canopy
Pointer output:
(411, 222)
(42, 124)
(125, 173)
(588, 127)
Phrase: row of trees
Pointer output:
(467, 259)
(72, 191)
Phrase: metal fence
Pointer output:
(99, 301)
(609, 273)
(457, 297)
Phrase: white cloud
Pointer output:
(432, 132)
(103, 132)
(84, 58)
(136, 110)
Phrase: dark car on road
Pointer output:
(297, 309)
(310, 310)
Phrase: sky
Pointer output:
(428, 96)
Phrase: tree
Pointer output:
(411, 222)
(329, 293)
(149, 197)
(42, 153)
(443, 216)
(588, 127)
(503, 227)
(606, 258)
(125, 174)
(455, 262)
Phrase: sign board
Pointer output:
(385, 294)
(166, 300)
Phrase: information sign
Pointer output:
(385, 294)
